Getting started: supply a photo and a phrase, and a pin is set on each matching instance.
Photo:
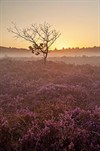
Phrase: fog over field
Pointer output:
(68, 52)
(71, 55)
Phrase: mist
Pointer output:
(69, 56)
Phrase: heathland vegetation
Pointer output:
(49, 108)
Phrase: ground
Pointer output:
(49, 107)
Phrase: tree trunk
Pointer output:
(46, 53)
(45, 58)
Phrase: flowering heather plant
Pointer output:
(51, 108)
(70, 132)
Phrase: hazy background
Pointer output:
(77, 20)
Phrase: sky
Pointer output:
(77, 20)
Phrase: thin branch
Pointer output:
(53, 40)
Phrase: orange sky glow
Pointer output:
(77, 20)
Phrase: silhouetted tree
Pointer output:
(41, 36)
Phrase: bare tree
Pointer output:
(41, 37)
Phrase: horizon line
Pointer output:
(57, 48)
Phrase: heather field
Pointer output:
(52, 107)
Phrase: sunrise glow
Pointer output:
(77, 20)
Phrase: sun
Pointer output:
(60, 45)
